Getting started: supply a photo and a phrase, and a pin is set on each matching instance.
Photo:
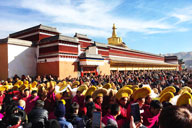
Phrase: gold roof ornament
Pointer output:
(114, 32)
(114, 40)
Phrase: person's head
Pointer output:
(155, 107)
(189, 83)
(148, 100)
(26, 92)
(1, 92)
(141, 102)
(78, 93)
(34, 93)
(22, 103)
(123, 101)
(88, 99)
(39, 103)
(90, 108)
(60, 109)
(99, 99)
(166, 104)
(175, 117)
(114, 109)
(75, 108)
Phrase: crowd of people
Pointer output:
(163, 97)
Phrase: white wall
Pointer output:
(21, 60)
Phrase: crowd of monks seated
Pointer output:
(163, 97)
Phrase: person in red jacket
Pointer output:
(151, 114)
(122, 97)
(2, 95)
(98, 98)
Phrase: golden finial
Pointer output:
(114, 40)
(114, 32)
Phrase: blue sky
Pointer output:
(155, 26)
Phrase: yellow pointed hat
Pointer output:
(184, 99)
(185, 89)
(123, 92)
(82, 89)
(90, 91)
(99, 92)
(107, 86)
(34, 84)
(168, 89)
(166, 97)
(75, 84)
(2, 88)
(23, 87)
(62, 85)
(141, 93)
(26, 82)
(19, 82)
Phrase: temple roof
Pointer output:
(140, 61)
(83, 36)
(40, 26)
(16, 42)
(101, 44)
(59, 37)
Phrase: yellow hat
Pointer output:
(107, 86)
(100, 85)
(26, 82)
(185, 89)
(113, 86)
(129, 86)
(99, 92)
(34, 84)
(82, 89)
(123, 92)
(69, 83)
(19, 82)
(53, 83)
(23, 87)
(156, 90)
(112, 92)
(47, 85)
(141, 93)
(63, 101)
(10, 84)
(166, 97)
(184, 99)
(168, 89)
(90, 91)
(86, 83)
(132, 86)
(62, 85)
(75, 84)
(2, 88)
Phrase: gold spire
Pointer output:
(114, 32)
(114, 40)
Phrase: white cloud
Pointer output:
(91, 13)
(92, 17)
(183, 14)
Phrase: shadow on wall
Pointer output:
(22, 61)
